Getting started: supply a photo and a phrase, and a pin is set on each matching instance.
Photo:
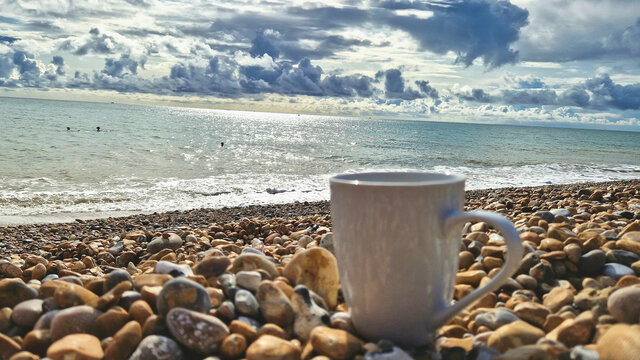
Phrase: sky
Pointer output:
(550, 63)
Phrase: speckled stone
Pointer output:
(185, 293)
(197, 331)
(308, 314)
(155, 347)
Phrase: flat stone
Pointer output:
(154, 347)
(496, 318)
(530, 352)
(8, 346)
(151, 280)
(67, 294)
(212, 266)
(76, 346)
(576, 331)
(531, 312)
(37, 341)
(557, 298)
(24, 355)
(124, 342)
(513, 335)
(159, 243)
(617, 271)
(621, 341)
(15, 291)
(470, 277)
(334, 343)
(623, 257)
(269, 347)
(27, 313)
(197, 331)
(624, 304)
(76, 319)
(140, 311)
(185, 293)
(110, 322)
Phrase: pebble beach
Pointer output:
(261, 283)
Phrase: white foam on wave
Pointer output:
(132, 195)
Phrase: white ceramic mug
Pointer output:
(397, 238)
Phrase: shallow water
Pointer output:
(148, 158)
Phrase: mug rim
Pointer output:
(393, 178)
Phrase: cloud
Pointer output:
(474, 29)
(96, 43)
(598, 93)
(8, 39)
(58, 61)
(21, 69)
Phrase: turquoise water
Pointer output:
(148, 158)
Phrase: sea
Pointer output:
(152, 158)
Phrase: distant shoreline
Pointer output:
(233, 213)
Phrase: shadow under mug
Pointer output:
(397, 238)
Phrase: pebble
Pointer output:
(233, 346)
(496, 318)
(557, 298)
(620, 341)
(592, 263)
(617, 271)
(317, 269)
(124, 342)
(10, 270)
(246, 303)
(114, 278)
(76, 319)
(334, 343)
(15, 291)
(175, 270)
(183, 293)
(197, 331)
(249, 262)
(624, 304)
(269, 347)
(307, 313)
(157, 244)
(156, 347)
(5, 319)
(27, 313)
(513, 335)
(249, 280)
(8, 347)
(76, 346)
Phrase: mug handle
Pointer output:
(515, 253)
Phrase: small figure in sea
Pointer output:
(68, 128)
(221, 144)
(98, 128)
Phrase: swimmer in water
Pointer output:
(221, 144)
(68, 128)
(98, 128)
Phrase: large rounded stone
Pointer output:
(246, 303)
(76, 319)
(621, 341)
(173, 241)
(15, 291)
(8, 269)
(8, 347)
(624, 304)
(317, 269)
(557, 298)
(154, 347)
(197, 331)
(76, 346)
(185, 293)
(27, 313)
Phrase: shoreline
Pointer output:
(232, 213)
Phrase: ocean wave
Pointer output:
(149, 195)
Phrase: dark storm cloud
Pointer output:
(394, 86)
(599, 92)
(120, 67)
(427, 89)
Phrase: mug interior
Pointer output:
(401, 178)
